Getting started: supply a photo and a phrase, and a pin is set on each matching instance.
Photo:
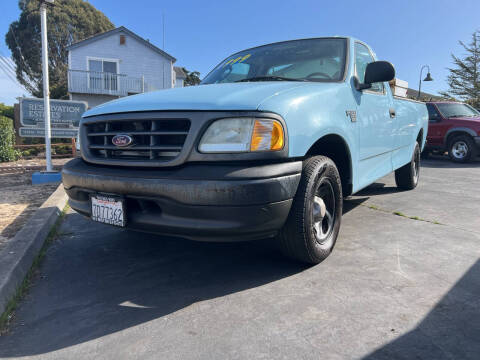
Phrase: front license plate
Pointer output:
(108, 210)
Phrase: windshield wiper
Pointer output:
(459, 115)
(269, 78)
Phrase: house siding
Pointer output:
(179, 83)
(135, 59)
(92, 100)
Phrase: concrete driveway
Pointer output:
(397, 286)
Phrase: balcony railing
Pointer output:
(93, 82)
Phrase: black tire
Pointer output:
(312, 227)
(461, 149)
(407, 176)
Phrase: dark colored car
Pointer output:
(453, 127)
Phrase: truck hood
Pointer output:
(231, 96)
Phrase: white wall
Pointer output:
(92, 100)
(179, 83)
(135, 59)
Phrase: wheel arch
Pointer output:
(336, 148)
(420, 138)
(451, 133)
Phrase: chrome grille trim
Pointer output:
(156, 139)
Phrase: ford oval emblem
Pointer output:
(122, 140)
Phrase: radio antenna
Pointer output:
(163, 23)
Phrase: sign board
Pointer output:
(40, 132)
(62, 112)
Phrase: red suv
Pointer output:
(453, 127)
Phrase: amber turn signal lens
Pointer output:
(267, 136)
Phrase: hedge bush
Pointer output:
(7, 140)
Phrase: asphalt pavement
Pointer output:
(403, 282)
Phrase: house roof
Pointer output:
(121, 29)
(413, 94)
(179, 73)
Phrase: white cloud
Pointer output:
(9, 90)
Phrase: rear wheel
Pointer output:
(312, 227)
(461, 149)
(407, 176)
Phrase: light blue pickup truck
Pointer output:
(267, 146)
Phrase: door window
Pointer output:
(363, 57)
(433, 114)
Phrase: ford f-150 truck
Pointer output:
(453, 127)
(268, 145)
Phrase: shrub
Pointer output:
(63, 150)
(7, 140)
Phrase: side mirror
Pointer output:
(377, 71)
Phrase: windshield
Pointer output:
(453, 110)
(297, 60)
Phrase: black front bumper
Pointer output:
(196, 201)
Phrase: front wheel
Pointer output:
(461, 149)
(407, 176)
(312, 227)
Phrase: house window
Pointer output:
(103, 74)
(122, 39)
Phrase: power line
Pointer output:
(7, 66)
(7, 69)
(8, 62)
(20, 50)
(2, 67)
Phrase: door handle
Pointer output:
(392, 113)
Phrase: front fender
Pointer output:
(314, 111)
(459, 129)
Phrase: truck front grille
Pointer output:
(153, 139)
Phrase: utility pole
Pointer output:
(46, 90)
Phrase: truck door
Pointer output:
(375, 123)
(436, 130)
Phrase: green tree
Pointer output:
(7, 139)
(67, 22)
(6, 111)
(464, 78)
(193, 77)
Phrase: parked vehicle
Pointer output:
(453, 127)
(267, 146)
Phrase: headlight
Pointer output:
(242, 135)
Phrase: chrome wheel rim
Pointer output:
(460, 149)
(323, 212)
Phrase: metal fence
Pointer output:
(94, 82)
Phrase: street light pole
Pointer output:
(46, 90)
(427, 78)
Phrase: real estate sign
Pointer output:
(65, 117)
(65, 112)
(55, 132)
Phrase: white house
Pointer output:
(180, 77)
(118, 63)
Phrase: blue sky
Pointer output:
(409, 33)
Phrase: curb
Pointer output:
(10, 169)
(18, 255)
